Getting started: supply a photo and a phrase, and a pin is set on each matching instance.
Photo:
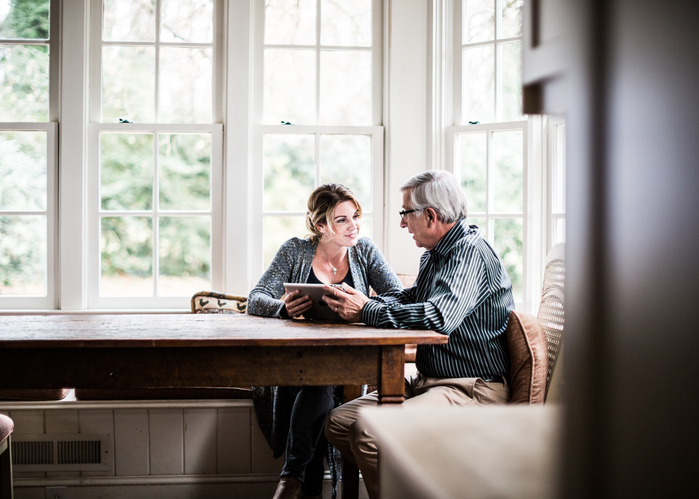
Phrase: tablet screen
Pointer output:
(319, 310)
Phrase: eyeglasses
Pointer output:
(405, 212)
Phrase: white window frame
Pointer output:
(47, 301)
(452, 134)
(50, 127)
(556, 166)
(375, 131)
(446, 58)
(93, 211)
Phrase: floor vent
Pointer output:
(61, 452)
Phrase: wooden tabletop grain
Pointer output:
(194, 330)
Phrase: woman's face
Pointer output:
(346, 222)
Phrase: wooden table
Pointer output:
(202, 350)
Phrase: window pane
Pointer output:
(511, 80)
(509, 172)
(509, 234)
(127, 256)
(289, 87)
(185, 85)
(126, 171)
(23, 249)
(129, 20)
(478, 20)
(185, 255)
(128, 84)
(289, 171)
(24, 19)
(184, 169)
(473, 159)
(347, 23)
(279, 229)
(346, 160)
(511, 18)
(187, 21)
(290, 22)
(345, 88)
(24, 82)
(478, 94)
(23, 171)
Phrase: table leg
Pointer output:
(350, 480)
(392, 381)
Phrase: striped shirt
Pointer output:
(462, 290)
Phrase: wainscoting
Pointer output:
(192, 449)
(179, 449)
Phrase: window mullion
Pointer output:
(317, 54)
(155, 214)
(157, 62)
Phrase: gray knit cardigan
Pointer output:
(294, 261)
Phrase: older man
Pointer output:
(462, 290)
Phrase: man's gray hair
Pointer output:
(436, 189)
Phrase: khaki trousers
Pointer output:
(346, 431)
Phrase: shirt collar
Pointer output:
(455, 234)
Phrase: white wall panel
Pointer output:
(200, 441)
(406, 122)
(131, 443)
(234, 441)
(28, 421)
(166, 442)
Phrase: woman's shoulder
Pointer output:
(364, 244)
(296, 245)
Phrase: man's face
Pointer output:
(417, 224)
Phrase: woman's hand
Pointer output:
(348, 302)
(296, 305)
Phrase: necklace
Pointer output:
(329, 263)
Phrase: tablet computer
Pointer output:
(319, 310)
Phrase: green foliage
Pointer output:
(126, 171)
(26, 19)
(23, 188)
(184, 166)
(127, 246)
(24, 69)
(185, 171)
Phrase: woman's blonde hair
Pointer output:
(321, 207)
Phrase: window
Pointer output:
(556, 211)
(490, 138)
(28, 110)
(155, 167)
(319, 113)
(491, 166)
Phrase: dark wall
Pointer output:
(632, 290)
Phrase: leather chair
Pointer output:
(6, 427)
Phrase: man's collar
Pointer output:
(456, 233)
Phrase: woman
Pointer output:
(333, 253)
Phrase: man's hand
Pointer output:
(348, 302)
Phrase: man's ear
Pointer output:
(431, 216)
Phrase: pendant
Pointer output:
(334, 270)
